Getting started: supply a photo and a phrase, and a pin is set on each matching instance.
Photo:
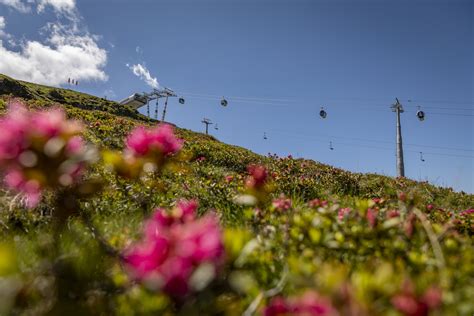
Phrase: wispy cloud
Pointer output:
(2, 26)
(22, 6)
(143, 73)
(62, 6)
(25, 6)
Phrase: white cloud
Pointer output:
(3, 34)
(142, 72)
(65, 52)
(61, 6)
(63, 55)
(67, 7)
(22, 6)
(2, 26)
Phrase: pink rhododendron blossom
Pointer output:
(409, 225)
(200, 159)
(282, 204)
(393, 213)
(184, 211)
(408, 303)
(371, 217)
(278, 306)
(75, 145)
(39, 150)
(467, 212)
(343, 212)
(174, 244)
(161, 140)
(310, 303)
(258, 176)
(314, 203)
(14, 179)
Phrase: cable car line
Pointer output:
(391, 149)
(367, 106)
(330, 100)
(374, 141)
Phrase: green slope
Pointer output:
(109, 123)
(364, 257)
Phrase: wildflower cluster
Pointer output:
(147, 151)
(40, 150)
(309, 303)
(174, 246)
(408, 303)
(355, 248)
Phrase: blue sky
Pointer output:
(290, 58)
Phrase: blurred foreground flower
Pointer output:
(40, 150)
(310, 303)
(178, 253)
(282, 204)
(257, 187)
(408, 303)
(158, 142)
(146, 150)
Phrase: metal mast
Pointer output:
(398, 108)
(164, 109)
(207, 122)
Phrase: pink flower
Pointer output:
(75, 145)
(467, 212)
(31, 189)
(371, 217)
(146, 257)
(185, 211)
(200, 240)
(409, 225)
(258, 176)
(48, 124)
(174, 244)
(310, 303)
(39, 150)
(229, 178)
(314, 203)
(161, 140)
(13, 129)
(408, 303)
(282, 204)
(343, 213)
(139, 141)
(164, 139)
(278, 306)
(429, 207)
(393, 213)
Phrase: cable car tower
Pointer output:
(138, 100)
(207, 122)
(398, 108)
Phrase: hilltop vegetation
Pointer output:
(326, 241)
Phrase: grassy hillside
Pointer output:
(337, 236)
(109, 123)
